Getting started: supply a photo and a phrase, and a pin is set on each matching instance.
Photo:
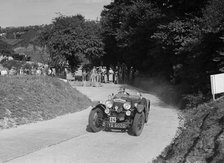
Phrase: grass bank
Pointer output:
(26, 99)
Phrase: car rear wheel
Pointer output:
(138, 124)
(96, 120)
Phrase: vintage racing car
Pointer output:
(121, 111)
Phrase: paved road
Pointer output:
(65, 139)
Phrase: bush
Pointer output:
(13, 63)
(191, 101)
(3, 61)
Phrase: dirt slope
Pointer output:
(201, 138)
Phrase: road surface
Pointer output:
(66, 138)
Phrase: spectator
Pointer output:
(84, 75)
(33, 71)
(105, 77)
(93, 75)
(38, 72)
(53, 72)
(116, 78)
(111, 75)
(97, 76)
(49, 72)
(12, 71)
(10, 58)
(21, 72)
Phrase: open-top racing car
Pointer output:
(121, 111)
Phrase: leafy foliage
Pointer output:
(213, 16)
(72, 41)
(5, 49)
(127, 27)
(181, 40)
(13, 63)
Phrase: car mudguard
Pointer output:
(140, 107)
(148, 104)
(101, 106)
(147, 109)
(144, 105)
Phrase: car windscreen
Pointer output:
(125, 96)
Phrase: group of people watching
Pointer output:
(17, 67)
(41, 70)
(100, 75)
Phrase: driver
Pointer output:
(123, 91)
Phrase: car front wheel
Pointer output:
(138, 124)
(96, 120)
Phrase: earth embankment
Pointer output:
(201, 137)
(26, 99)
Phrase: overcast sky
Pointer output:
(37, 12)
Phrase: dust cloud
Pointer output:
(164, 90)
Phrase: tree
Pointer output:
(180, 39)
(71, 40)
(5, 49)
(127, 27)
(181, 8)
(193, 43)
(213, 19)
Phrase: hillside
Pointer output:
(21, 38)
(24, 40)
(200, 138)
(26, 99)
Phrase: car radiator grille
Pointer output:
(118, 107)
(120, 116)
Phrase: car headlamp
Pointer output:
(127, 105)
(109, 104)
(107, 111)
(128, 113)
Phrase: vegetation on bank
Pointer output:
(200, 138)
(26, 99)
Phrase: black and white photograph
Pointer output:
(111, 81)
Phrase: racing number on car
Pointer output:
(113, 119)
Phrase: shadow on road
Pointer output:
(88, 129)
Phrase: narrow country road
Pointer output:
(65, 139)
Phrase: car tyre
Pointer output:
(96, 120)
(138, 124)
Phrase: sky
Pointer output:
(37, 12)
